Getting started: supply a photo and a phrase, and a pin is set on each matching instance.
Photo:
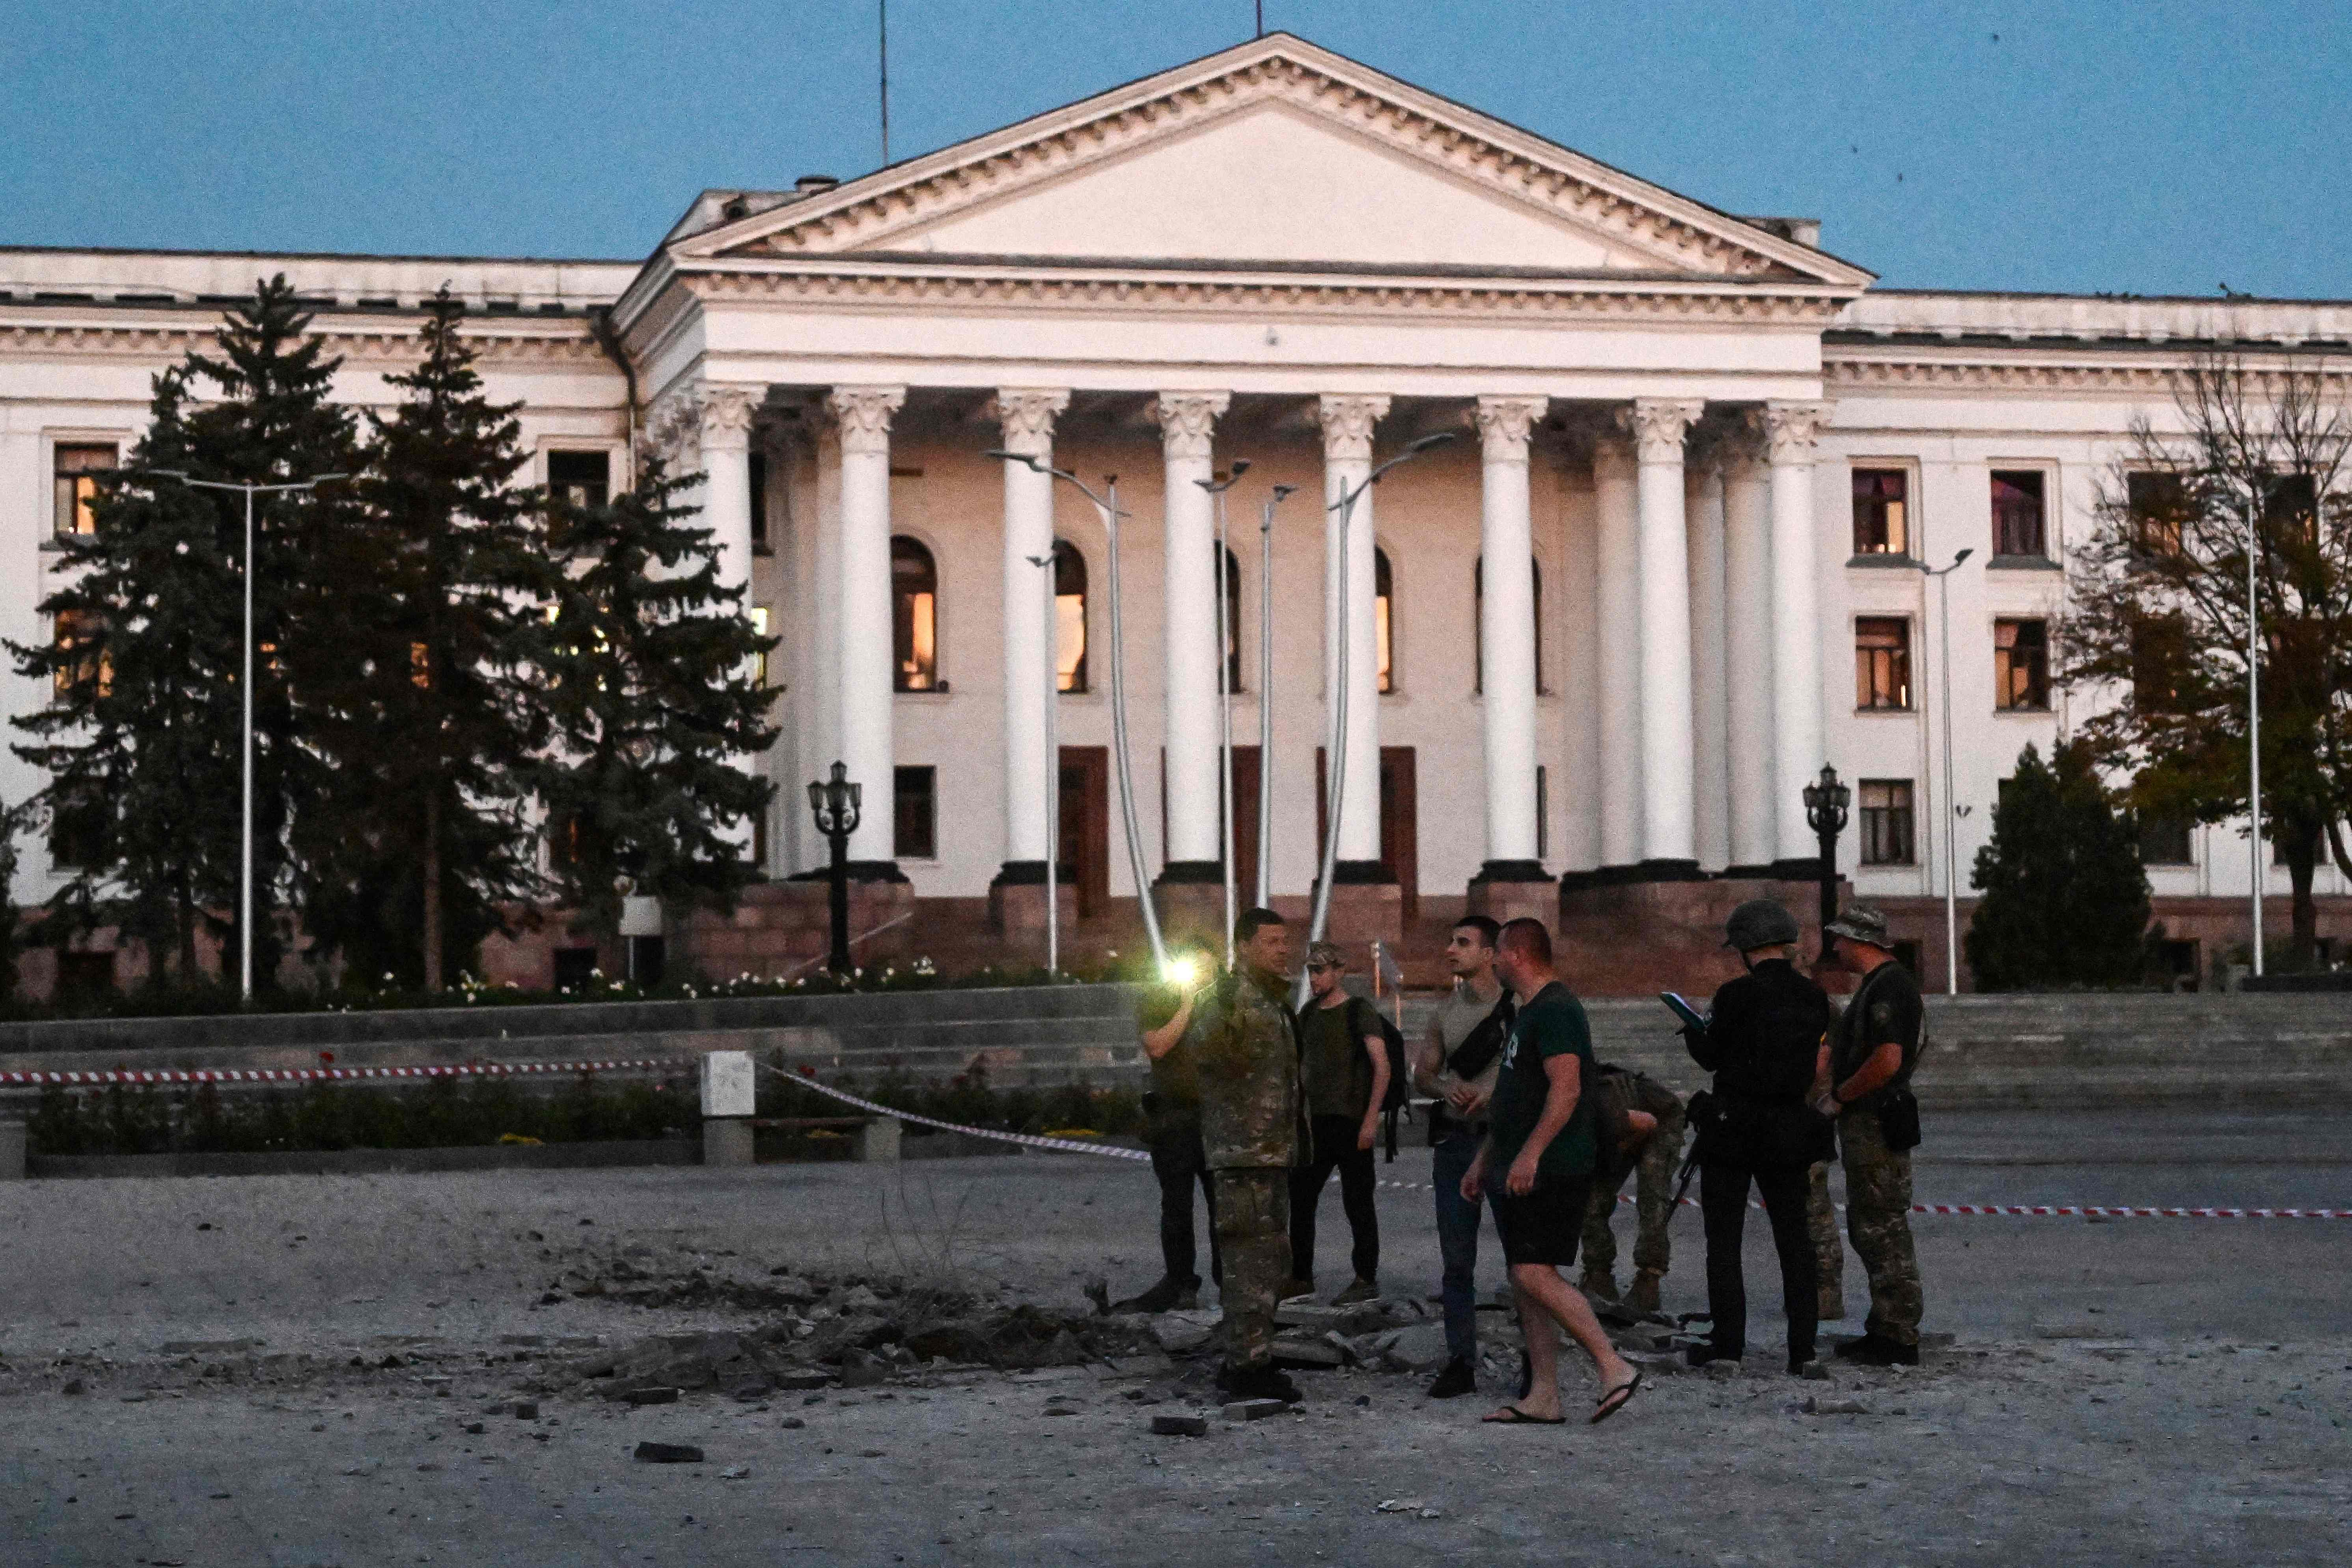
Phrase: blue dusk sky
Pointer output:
(2168, 146)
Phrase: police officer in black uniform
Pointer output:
(1765, 1044)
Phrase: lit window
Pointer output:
(1881, 513)
(1478, 623)
(2020, 665)
(1383, 621)
(914, 813)
(760, 659)
(1881, 662)
(1886, 822)
(76, 469)
(580, 480)
(2017, 513)
(914, 616)
(420, 666)
(1069, 617)
(78, 633)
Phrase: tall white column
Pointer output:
(1711, 783)
(1747, 654)
(727, 485)
(1578, 592)
(1615, 524)
(1668, 826)
(1507, 632)
(1347, 420)
(863, 415)
(1796, 744)
(1025, 417)
(1188, 422)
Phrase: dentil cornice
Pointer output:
(862, 415)
(1504, 424)
(1348, 418)
(1188, 421)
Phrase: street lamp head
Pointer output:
(835, 802)
(1240, 465)
(1825, 802)
(1963, 555)
(1284, 492)
(1027, 458)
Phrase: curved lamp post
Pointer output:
(1218, 488)
(1952, 808)
(835, 802)
(1336, 791)
(1108, 505)
(1266, 693)
(1825, 803)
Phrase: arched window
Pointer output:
(1233, 586)
(914, 616)
(1383, 620)
(1478, 623)
(1069, 617)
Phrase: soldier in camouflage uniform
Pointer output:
(1647, 1146)
(1254, 1128)
(1872, 1053)
(1829, 1247)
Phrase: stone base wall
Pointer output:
(1637, 939)
(782, 929)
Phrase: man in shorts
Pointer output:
(1541, 1148)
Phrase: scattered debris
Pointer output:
(650, 1395)
(1180, 1426)
(1833, 1408)
(1253, 1409)
(669, 1454)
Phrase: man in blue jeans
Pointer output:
(1478, 1016)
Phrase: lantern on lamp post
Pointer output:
(834, 801)
(1825, 803)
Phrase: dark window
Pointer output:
(1069, 617)
(76, 469)
(1886, 822)
(2017, 513)
(1543, 815)
(2158, 504)
(1882, 523)
(1881, 662)
(760, 839)
(1384, 620)
(914, 813)
(2292, 507)
(580, 480)
(2162, 661)
(914, 616)
(575, 968)
(2167, 840)
(2020, 665)
(1232, 587)
(758, 468)
(1478, 623)
(78, 833)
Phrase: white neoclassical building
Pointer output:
(1669, 565)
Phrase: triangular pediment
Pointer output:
(1273, 153)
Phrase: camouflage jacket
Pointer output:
(1252, 1109)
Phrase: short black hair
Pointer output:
(1489, 929)
(1252, 921)
(1528, 936)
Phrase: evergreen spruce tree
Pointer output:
(650, 674)
(2066, 900)
(141, 735)
(425, 709)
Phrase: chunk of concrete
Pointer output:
(669, 1454)
(1253, 1409)
(727, 1086)
(1179, 1331)
(1180, 1426)
(1421, 1348)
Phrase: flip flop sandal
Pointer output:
(1512, 1415)
(1616, 1399)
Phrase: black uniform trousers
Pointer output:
(1335, 1150)
(1180, 1161)
(1723, 1205)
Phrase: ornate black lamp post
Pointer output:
(1825, 803)
(834, 801)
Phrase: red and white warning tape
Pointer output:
(2085, 1211)
(168, 1076)
(1026, 1140)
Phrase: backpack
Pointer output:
(1400, 1089)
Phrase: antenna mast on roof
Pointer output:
(886, 82)
(1260, 18)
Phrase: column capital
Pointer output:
(1347, 418)
(1188, 421)
(1659, 423)
(1025, 415)
(1504, 425)
(863, 414)
(1789, 429)
(726, 415)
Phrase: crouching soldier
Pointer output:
(1641, 1135)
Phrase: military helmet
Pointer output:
(1758, 922)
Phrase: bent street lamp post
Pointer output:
(245, 870)
(2254, 719)
(1825, 803)
(1218, 488)
(1265, 694)
(1942, 576)
(835, 802)
(1108, 505)
(1337, 790)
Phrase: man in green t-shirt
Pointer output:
(1540, 1141)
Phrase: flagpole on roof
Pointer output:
(885, 5)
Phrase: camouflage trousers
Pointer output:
(1654, 1204)
(1829, 1247)
(1253, 1219)
(1878, 1220)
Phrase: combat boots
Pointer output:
(1599, 1286)
(1641, 1296)
(1362, 1290)
(1170, 1294)
(1872, 1350)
